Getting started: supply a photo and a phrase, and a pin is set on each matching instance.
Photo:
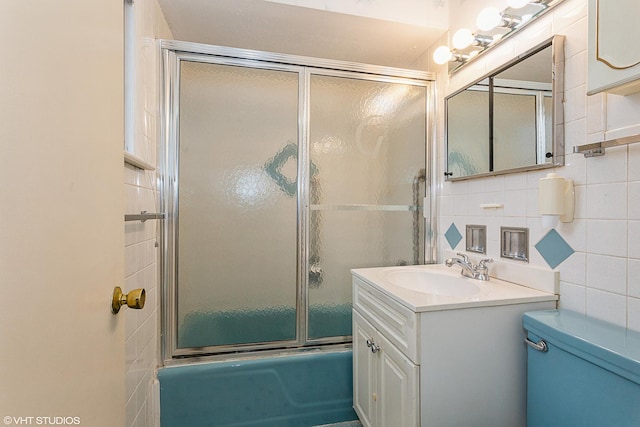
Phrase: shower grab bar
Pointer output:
(143, 216)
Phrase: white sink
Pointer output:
(437, 287)
(432, 282)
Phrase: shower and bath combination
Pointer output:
(281, 174)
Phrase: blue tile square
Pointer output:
(554, 249)
(453, 236)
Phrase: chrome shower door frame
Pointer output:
(173, 53)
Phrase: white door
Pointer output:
(61, 212)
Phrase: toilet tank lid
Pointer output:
(612, 347)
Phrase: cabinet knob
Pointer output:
(373, 346)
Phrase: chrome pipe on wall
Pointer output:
(417, 203)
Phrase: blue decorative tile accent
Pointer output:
(554, 249)
(453, 236)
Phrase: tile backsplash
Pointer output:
(598, 254)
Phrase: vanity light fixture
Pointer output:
(518, 4)
(464, 38)
(556, 200)
(490, 18)
(443, 54)
(492, 26)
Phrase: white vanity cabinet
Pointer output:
(614, 63)
(385, 389)
(426, 360)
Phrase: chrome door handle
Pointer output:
(540, 345)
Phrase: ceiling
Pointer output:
(393, 33)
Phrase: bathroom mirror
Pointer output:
(511, 120)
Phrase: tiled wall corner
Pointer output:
(141, 271)
(141, 251)
(600, 276)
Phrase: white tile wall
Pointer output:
(633, 308)
(607, 237)
(634, 165)
(634, 239)
(141, 271)
(141, 253)
(601, 278)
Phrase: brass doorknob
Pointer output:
(134, 299)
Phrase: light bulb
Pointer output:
(517, 4)
(442, 55)
(488, 19)
(462, 38)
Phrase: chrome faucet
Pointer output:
(479, 272)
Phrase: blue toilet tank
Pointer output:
(589, 375)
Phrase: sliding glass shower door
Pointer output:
(367, 147)
(237, 205)
(278, 179)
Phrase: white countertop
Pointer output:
(491, 293)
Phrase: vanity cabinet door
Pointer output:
(614, 64)
(398, 387)
(385, 382)
(365, 368)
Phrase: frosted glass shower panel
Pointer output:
(237, 205)
(367, 142)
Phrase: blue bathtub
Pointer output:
(291, 391)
